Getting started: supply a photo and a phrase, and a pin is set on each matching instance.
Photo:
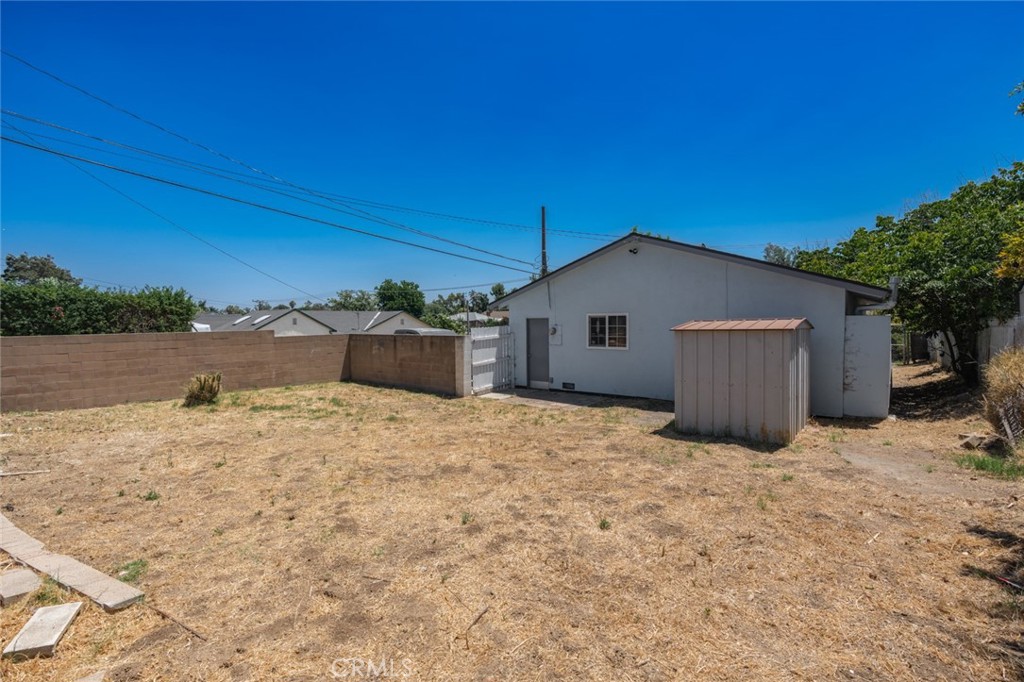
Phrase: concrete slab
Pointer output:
(110, 593)
(14, 541)
(494, 395)
(16, 584)
(43, 631)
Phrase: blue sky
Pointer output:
(726, 124)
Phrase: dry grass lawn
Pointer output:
(293, 527)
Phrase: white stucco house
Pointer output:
(602, 323)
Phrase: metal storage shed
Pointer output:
(743, 378)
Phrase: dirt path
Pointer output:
(922, 472)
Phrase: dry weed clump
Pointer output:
(203, 389)
(1004, 392)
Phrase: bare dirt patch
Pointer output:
(294, 527)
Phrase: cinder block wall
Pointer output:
(68, 372)
(440, 364)
(63, 372)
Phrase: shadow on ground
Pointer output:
(1009, 575)
(945, 398)
(670, 432)
(574, 399)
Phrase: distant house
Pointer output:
(474, 319)
(499, 315)
(294, 322)
(601, 324)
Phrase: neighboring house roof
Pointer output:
(246, 322)
(336, 320)
(743, 325)
(473, 317)
(866, 291)
(352, 320)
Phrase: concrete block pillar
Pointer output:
(463, 366)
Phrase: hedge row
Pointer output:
(60, 308)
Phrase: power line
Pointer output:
(258, 171)
(217, 172)
(201, 168)
(232, 159)
(174, 224)
(333, 197)
(475, 286)
(255, 204)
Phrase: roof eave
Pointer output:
(861, 289)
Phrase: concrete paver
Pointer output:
(42, 632)
(16, 584)
(108, 592)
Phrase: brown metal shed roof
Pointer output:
(743, 325)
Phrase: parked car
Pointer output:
(425, 331)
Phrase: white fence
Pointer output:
(999, 337)
(492, 359)
(991, 341)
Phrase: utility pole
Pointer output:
(543, 242)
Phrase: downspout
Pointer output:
(888, 304)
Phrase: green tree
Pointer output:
(443, 306)
(353, 299)
(1011, 257)
(780, 255)
(235, 310)
(1017, 90)
(498, 291)
(946, 253)
(26, 269)
(444, 321)
(477, 301)
(402, 295)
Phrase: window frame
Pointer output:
(606, 316)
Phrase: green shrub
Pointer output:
(53, 307)
(203, 389)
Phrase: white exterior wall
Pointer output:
(659, 288)
(868, 366)
(296, 324)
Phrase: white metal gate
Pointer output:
(492, 359)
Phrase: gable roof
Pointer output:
(342, 321)
(352, 320)
(867, 291)
(245, 322)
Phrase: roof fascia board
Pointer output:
(866, 290)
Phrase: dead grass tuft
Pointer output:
(203, 389)
(1004, 392)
